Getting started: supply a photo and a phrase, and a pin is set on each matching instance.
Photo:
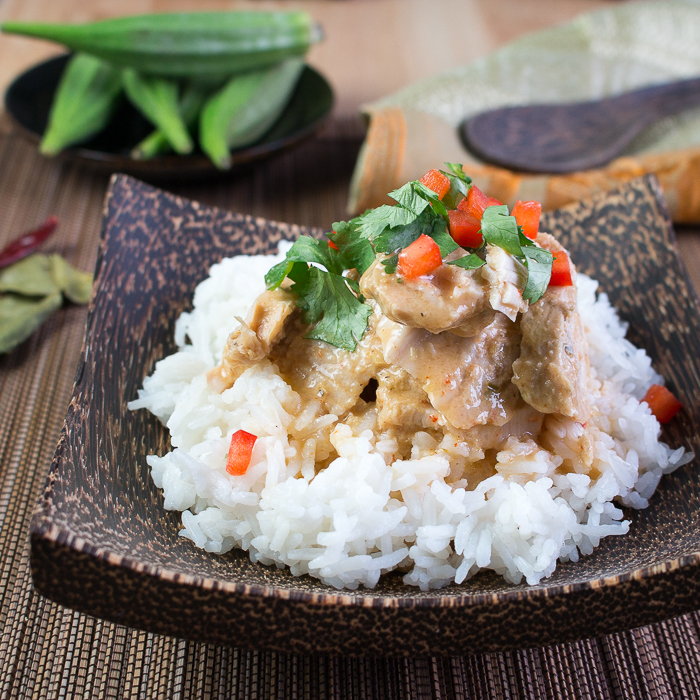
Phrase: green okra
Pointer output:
(156, 143)
(85, 100)
(185, 44)
(157, 99)
(245, 108)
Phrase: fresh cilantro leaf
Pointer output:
(468, 262)
(340, 318)
(381, 225)
(440, 235)
(539, 271)
(411, 198)
(390, 264)
(276, 274)
(395, 239)
(355, 286)
(373, 222)
(459, 185)
(524, 240)
(325, 297)
(498, 228)
(427, 194)
(357, 252)
(457, 170)
(306, 250)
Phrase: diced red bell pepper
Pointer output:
(465, 228)
(239, 452)
(332, 245)
(437, 182)
(475, 202)
(493, 202)
(527, 215)
(663, 404)
(420, 258)
(561, 270)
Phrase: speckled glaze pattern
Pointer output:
(102, 543)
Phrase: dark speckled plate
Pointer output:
(28, 101)
(102, 543)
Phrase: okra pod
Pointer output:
(185, 44)
(245, 108)
(157, 99)
(85, 99)
(156, 143)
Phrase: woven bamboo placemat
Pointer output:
(47, 651)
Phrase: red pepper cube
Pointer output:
(527, 214)
(437, 182)
(239, 452)
(420, 258)
(663, 404)
(465, 228)
(475, 202)
(561, 270)
(493, 202)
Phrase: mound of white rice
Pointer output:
(364, 515)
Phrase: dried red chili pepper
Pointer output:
(27, 243)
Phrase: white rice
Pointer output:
(363, 515)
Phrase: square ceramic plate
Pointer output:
(102, 543)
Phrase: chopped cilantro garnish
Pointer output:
(459, 185)
(390, 264)
(332, 301)
(326, 300)
(498, 228)
(468, 262)
(357, 252)
(426, 193)
(412, 196)
(374, 221)
(326, 297)
(501, 229)
(305, 250)
(394, 239)
(539, 269)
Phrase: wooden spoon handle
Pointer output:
(663, 100)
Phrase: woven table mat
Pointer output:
(47, 651)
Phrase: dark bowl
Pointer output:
(28, 100)
(102, 543)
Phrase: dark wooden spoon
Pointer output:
(562, 138)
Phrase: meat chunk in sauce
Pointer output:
(321, 372)
(452, 298)
(255, 337)
(458, 352)
(468, 380)
(402, 402)
(507, 278)
(552, 370)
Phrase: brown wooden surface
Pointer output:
(46, 651)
